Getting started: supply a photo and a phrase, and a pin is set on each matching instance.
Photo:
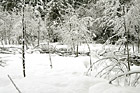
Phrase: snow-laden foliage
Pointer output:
(75, 30)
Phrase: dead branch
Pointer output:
(14, 84)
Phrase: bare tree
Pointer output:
(23, 38)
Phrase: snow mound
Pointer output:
(121, 90)
(100, 87)
(108, 88)
(83, 83)
(3, 82)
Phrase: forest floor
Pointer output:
(66, 76)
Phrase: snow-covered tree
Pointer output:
(75, 31)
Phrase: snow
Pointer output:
(67, 75)
(107, 88)
(100, 88)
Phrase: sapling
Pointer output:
(23, 36)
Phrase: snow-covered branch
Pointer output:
(124, 74)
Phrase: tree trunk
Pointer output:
(138, 41)
(127, 42)
(73, 47)
(77, 50)
(23, 37)
(50, 58)
(133, 45)
(5, 34)
(10, 29)
(38, 33)
(38, 42)
(2, 43)
(128, 56)
(48, 36)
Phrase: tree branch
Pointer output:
(124, 74)
(14, 84)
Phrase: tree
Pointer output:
(23, 38)
(10, 9)
(130, 21)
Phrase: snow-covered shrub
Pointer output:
(64, 52)
(130, 78)
(47, 48)
(113, 66)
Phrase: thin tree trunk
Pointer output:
(138, 41)
(128, 56)
(127, 42)
(38, 33)
(38, 43)
(50, 58)
(2, 43)
(133, 45)
(73, 47)
(5, 34)
(48, 37)
(11, 27)
(77, 50)
(26, 38)
(23, 42)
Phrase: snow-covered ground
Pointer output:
(67, 76)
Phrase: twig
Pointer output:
(14, 84)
